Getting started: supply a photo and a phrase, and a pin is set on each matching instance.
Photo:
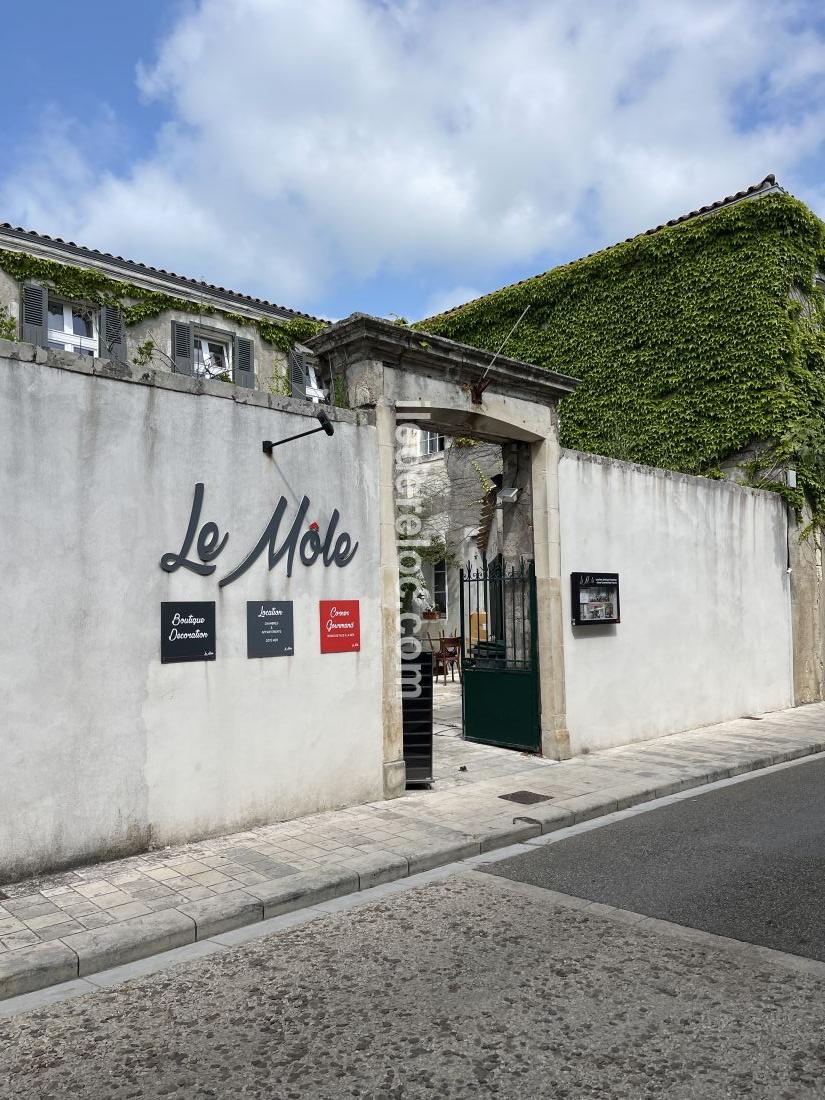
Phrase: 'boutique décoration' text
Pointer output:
(332, 549)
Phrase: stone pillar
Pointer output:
(366, 389)
(555, 737)
(807, 613)
(517, 519)
(394, 770)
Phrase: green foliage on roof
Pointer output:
(693, 344)
(139, 304)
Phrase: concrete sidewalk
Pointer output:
(79, 922)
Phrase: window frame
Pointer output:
(430, 443)
(440, 567)
(67, 338)
(202, 335)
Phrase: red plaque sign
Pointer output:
(340, 626)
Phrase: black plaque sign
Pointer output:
(187, 632)
(269, 628)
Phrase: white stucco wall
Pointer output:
(105, 749)
(705, 632)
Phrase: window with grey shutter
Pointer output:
(297, 373)
(244, 373)
(112, 334)
(35, 321)
(183, 347)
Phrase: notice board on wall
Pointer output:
(340, 626)
(594, 598)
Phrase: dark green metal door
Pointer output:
(499, 656)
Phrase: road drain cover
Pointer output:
(525, 798)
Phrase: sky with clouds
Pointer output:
(398, 156)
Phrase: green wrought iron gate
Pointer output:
(499, 655)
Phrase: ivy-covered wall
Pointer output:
(693, 344)
(147, 313)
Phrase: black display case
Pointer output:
(594, 599)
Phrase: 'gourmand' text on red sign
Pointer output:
(340, 626)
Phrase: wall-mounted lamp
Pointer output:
(506, 496)
(326, 426)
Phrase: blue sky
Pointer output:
(398, 157)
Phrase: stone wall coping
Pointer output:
(719, 484)
(50, 359)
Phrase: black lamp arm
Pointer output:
(326, 426)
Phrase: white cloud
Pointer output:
(443, 300)
(327, 143)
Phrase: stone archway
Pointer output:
(402, 376)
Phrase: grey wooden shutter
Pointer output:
(112, 334)
(183, 347)
(297, 373)
(34, 328)
(244, 373)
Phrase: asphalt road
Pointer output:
(471, 987)
(745, 861)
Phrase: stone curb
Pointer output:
(116, 944)
(82, 953)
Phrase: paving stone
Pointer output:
(96, 921)
(157, 905)
(17, 940)
(112, 900)
(196, 893)
(186, 867)
(123, 941)
(91, 889)
(58, 931)
(163, 874)
(48, 920)
(30, 906)
(209, 878)
(129, 909)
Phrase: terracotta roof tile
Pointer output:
(82, 252)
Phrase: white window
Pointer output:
(431, 443)
(314, 391)
(72, 328)
(213, 356)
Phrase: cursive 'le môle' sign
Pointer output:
(340, 626)
(332, 549)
